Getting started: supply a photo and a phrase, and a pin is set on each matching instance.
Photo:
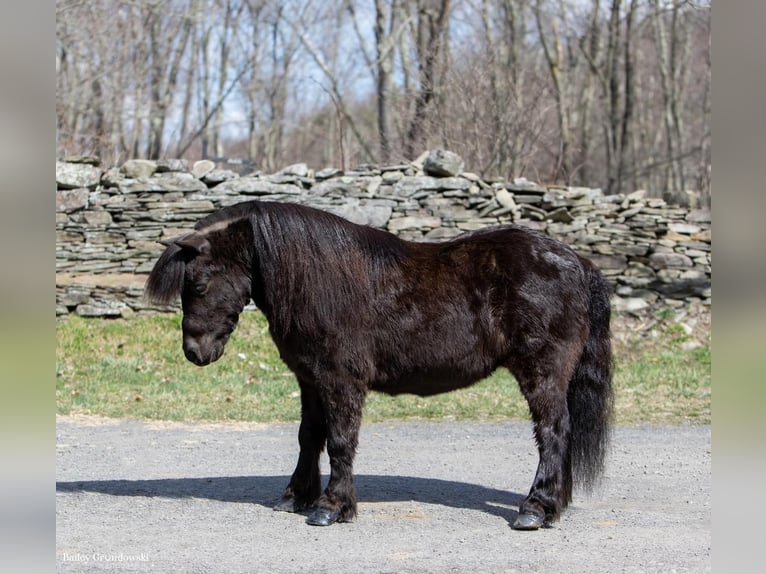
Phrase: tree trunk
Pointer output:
(627, 110)
(432, 23)
(384, 48)
(592, 51)
(554, 58)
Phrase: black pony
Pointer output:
(353, 309)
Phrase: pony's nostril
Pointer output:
(192, 352)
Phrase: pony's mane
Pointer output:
(166, 280)
(227, 215)
(316, 265)
(300, 252)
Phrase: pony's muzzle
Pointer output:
(200, 355)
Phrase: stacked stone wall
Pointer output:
(109, 222)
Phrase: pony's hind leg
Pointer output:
(305, 484)
(551, 491)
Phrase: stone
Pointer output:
(629, 304)
(614, 198)
(505, 198)
(699, 216)
(503, 211)
(75, 295)
(143, 234)
(135, 168)
(628, 213)
(77, 175)
(473, 225)
(144, 246)
(328, 172)
(216, 176)
(636, 282)
(671, 284)
(441, 233)
(524, 183)
(705, 236)
(373, 185)
(637, 195)
(89, 159)
(560, 215)
(202, 167)
(456, 183)
(174, 232)
(443, 163)
(339, 186)
(248, 185)
(684, 228)
(372, 215)
(112, 177)
(675, 238)
(609, 262)
(566, 197)
(664, 260)
(526, 198)
(168, 165)
(413, 222)
(97, 217)
(71, 200)
(195, 206)
(391, 177)
(162, 183)
(63, 237)
(533, 212)
(408, 186)
(631, 249)
(456, 212)
(296, 169)
(87, 310)
(95, 238)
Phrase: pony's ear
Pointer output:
(193, 241)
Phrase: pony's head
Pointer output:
(211, 275)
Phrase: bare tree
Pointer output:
(385, 24)
(557, 89)
(553, 49)
(590, 45)
(431, 32)
(333, 89)
(669, 50)
(168, 36)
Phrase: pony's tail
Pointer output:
(589, 398)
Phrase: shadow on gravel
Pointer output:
(265, 491)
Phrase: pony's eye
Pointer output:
(200, 288)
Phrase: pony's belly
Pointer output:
(426, 384)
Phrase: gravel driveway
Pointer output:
(438, 497)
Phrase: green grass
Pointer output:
(135, 368)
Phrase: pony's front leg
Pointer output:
(343, 409)
(305, 485)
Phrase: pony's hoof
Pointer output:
(528, 522)
(322, 517)
(288, 505)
